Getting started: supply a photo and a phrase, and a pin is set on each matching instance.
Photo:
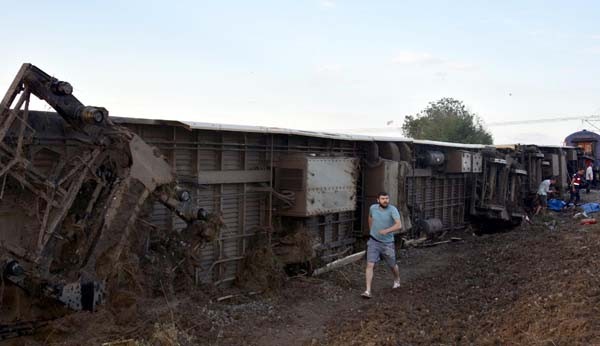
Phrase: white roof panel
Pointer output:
(364, 135)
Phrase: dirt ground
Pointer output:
(536, 285)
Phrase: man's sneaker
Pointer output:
(396, 284)
(366, 294)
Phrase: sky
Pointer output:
(318, 64)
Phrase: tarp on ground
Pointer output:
(556, 204)
(589, 208)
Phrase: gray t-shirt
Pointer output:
(544, 188)
(383, 218)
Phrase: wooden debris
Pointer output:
(436, 243)
(422, 242)
(451, 240)
(339, 263)
(415, 242)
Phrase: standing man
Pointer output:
(576, 184)
(384, 219)
(542, 193)
(589, 177)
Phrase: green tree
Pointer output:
(447, 120)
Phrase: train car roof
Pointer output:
(383, 135)
(514, 146)
(362, 135)
(352, 135)
(194, 125)
(557, 146)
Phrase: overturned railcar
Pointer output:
(284, 181)
(79, 191)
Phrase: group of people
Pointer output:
(583, 178)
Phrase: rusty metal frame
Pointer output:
(58, 196)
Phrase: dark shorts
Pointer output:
(543, 200)
(377, 250)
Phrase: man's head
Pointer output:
(580, 171)
(383, 199)
(552, 180)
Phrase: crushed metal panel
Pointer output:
(145, 167)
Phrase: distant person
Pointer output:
(576, 185)
(589, 177)
(384, 219)
(542, 193)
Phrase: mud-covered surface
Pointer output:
(521, 288)
(536, 285)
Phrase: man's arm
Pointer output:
(370, 222)
(395, 227)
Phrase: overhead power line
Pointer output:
(586, 118)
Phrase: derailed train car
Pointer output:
(82, 192)
(283, 182)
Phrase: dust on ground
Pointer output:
(536, 285)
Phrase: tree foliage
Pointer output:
(447, 120)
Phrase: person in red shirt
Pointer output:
(576, 185)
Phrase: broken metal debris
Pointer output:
(72, 191)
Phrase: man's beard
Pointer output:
(383, 206)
